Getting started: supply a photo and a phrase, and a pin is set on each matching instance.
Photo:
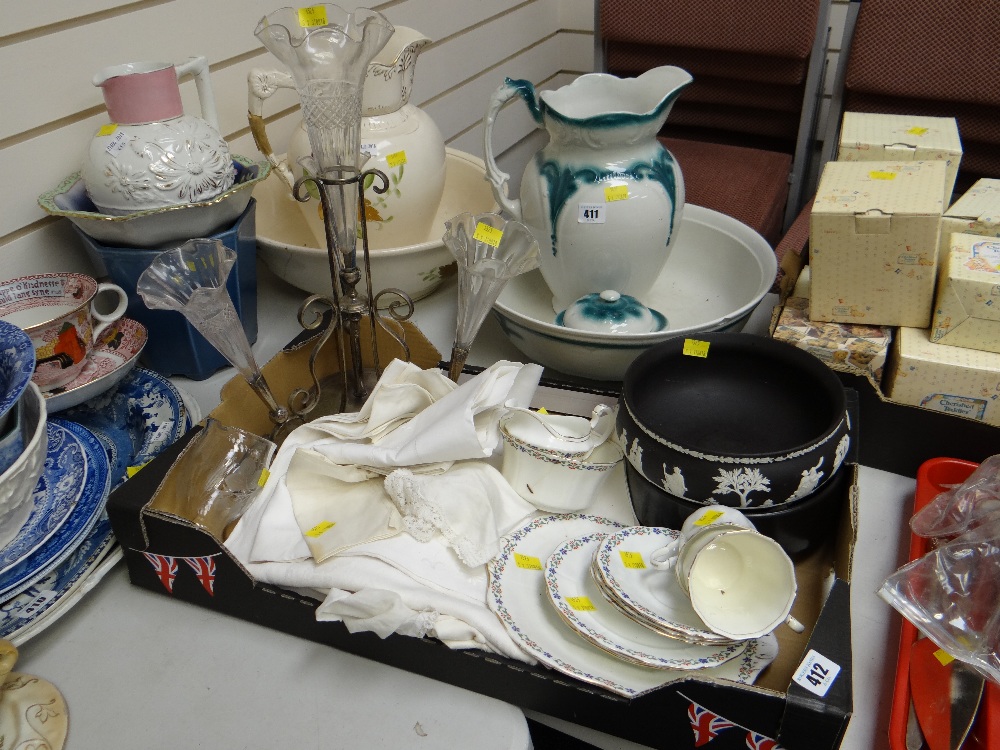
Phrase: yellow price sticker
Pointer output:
(580, 603)
(695, 348)
(632, 560)
(131, 471)
(916, 130)
(396, 159)
(262, 479)
(314, 15)
(107, 129)
(882, 175)
(527, 562)
(486, 234)
(319, 529)
(708, 517)
(944, 657)
(616, 193)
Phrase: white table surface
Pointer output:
(139, 669)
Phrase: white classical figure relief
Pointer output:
(842, 448)
(742, 482)
(809, 481)
(674, 482)
(634, 450)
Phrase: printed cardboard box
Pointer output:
(967, 304)
(947, 379)
(873, 239)
(792, 703)
(868, 136)
(976, 212)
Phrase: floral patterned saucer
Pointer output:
(517, 594)
(650, 596)
(577, 598)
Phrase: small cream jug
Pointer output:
(603, 196)
(152, 155)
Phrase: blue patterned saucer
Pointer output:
(134, 421)
(94, 484)
(52, 594)
(55, 495)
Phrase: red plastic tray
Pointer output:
(935, 476)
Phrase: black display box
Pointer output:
(685, 714)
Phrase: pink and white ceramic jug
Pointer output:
(153, 155)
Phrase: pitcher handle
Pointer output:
(260, 85)
(198, 66)
(498, 179)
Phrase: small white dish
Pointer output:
(112, 359)
(718, 272)
(622, 562)
(518, 595)
(581, 604)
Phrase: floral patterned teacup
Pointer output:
(59, 311)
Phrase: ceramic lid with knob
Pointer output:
(611, 312)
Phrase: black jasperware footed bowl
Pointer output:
(798, 527)
(733, 419)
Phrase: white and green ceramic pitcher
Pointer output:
(604, 197)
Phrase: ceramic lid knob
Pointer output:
(610, 312)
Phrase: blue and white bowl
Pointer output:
(17, 364)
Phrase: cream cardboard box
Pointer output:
(949, 379)
(866, 136)
(873, 242)
(967, 304)
(976, 212)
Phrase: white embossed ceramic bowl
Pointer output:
(291, 250)
(719, 271)
(156, 227)
(18, 482)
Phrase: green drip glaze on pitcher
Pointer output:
(563, 183)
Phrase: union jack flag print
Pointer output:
(760, 742)
(204, 569)
(705, 724)
(165, 568)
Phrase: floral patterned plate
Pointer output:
(652, 597)
(518, 595)
(111, 360)
(577, 598)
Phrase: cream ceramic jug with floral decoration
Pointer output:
(153, 155)
(603, 196)
(399, 138)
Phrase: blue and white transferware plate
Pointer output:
(582, 605)
(518, 595)
(60, 545)
(17, 364)
(136, 421)
(56, 494)
(49, 597)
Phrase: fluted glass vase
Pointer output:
(327, 50)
